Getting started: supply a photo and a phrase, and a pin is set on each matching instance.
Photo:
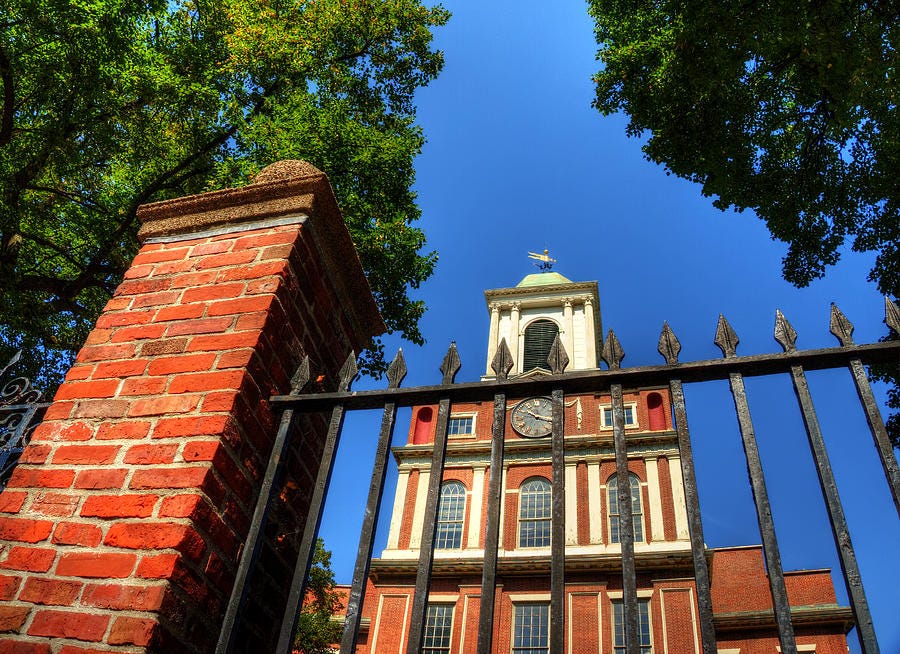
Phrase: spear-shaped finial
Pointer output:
(891, 315)
(612, 351)
(450, 365)
(669, 346)
(397, 370)
(502, 362)
(725, 338)
(840, 326)
(558, 359)
(785, 334)
(301, 376)
(12, 361)
(348, 372)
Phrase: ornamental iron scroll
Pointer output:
(20, 412)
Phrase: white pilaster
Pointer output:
(657, 527)
(494, 335)
(415, 535)
(590, 336)
(476, 500)
(500, 546)
(595, 518)
(393, 541)
(513, 339)
(568, 338)
(571, 504)
(681, 524)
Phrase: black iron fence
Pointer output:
(556, 385)
(20, 412)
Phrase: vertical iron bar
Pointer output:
(695, 525)
(626, 524)
(879, 433)
(250, 551)
(426, 546)
(492, 528)
(864, 627)
(310, 529)
(764, 516)
(367, 539)
(558, 526)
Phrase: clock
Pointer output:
(533, 417)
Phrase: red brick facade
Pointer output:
(122, 526)
(593, 583)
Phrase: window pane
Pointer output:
(534, 513)
(606, 416)
(636, 511)
(451, 511)
(643, 608)
(460, 426)
(438, 623)
(531, 629)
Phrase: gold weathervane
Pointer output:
(546, 263)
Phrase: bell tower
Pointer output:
(531, 314)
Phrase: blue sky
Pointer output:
(518, 161)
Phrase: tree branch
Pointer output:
(9, 97)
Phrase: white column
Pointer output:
(494, 335)
(393, 541)
(595, 517)
(657, 527)
(500, 546)
(681, 524)
(571, 504)
(415, 535)
(590, 336)
(476, 499)
(513, 340)
(568, 339)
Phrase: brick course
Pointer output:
(136, 491)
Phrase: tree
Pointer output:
(788, 108)
(109, 104)
(316, 631)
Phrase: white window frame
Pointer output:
(443, 604)
(548, 519)
(453, 416)
(606, 410)
(636, 516)
(461, 522)
(644, 598)
(526, 600)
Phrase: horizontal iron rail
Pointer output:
(589, 381)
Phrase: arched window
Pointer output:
(539, 337)
(450, 516)
(636, 515)
(534, 513)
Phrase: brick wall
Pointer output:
(122, 526)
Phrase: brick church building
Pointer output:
(529, 316)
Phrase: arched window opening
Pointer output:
(636, 513)
(422, 432)
(534, 513)
(451, 511)
(539, 337)
(656, 412)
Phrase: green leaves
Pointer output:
(786, 108)
(108, 104)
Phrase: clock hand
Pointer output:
(539, 416)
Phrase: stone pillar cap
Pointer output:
(291, 188)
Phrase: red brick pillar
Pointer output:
(120, 529)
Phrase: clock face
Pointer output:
(533, 417)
